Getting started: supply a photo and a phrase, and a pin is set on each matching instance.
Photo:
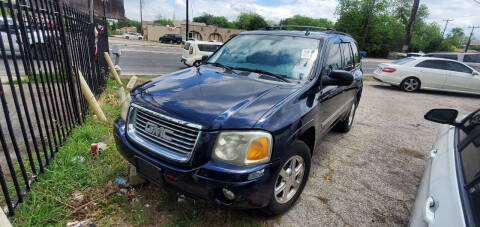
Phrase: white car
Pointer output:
(132, 35)
(415, 73)
(195, 50)
(449, 192)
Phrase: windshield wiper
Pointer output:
(277, 76)
(220, 65)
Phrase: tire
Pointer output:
(279, 201)
(197, 63)
(139, 38)
(128, 37)
(345, 125)
(410, 84)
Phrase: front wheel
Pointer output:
(290, 179)
(410, 84)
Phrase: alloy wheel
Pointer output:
(411, 84)
(289, 180)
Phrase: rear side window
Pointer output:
(187, 45)
(433, 64)
(475, 58)
(403, 61)
(347, 55)
(457, 67)
(334, 60)
(470, 163)
(446, 56)
(356, 54)
(208, 47)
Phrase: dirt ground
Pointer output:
(369, 177)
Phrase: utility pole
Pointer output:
(470, 38)
(186, 37)
(446, 24)
(367, 23)
(141, 17)
(411, 25)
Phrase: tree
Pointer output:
(307, 21)
(411, 24)
(209, 19)
(129, 23)
(250, 21)
(163, 21)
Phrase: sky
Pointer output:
(464, 12)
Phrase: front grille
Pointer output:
(168, 137)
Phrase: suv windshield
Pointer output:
(291, 57)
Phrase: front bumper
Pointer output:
(206, 181)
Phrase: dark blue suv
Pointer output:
(241, 128)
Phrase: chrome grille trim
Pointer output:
(177, 143)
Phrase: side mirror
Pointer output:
(475, 73)
(442, 116)
(204, 59)
(338, 78)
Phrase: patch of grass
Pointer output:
(368, 78)
(74, 169)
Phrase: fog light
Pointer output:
(256, 174)
(228, 194)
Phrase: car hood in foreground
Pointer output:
(212, 97)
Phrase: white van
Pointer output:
(195, 50)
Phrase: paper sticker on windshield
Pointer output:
(306, 53)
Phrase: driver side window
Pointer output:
(334, 58)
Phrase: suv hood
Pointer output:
(212, 97)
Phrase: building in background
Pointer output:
(113, 9)
(199, 31)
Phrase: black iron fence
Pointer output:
(43, 45)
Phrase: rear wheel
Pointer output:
(410, 84)
(197, 63)
(290, 179)
(345, 125)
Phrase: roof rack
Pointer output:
(307, 29)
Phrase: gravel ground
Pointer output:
(369, 177)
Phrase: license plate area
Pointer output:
(150, 171)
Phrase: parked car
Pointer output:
(171, 38)
(240, 129)
(471, 59)
(449, 192)
(415, 73)
(38, 42)
(195, 50)
(132, 35)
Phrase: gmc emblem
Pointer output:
(158, 131)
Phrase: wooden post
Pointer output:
(112, 68)
(92, 102)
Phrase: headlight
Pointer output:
(125, 107)
(243, 147)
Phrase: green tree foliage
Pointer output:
(388, 25)
(250, 21)
(129, 23)
(163, 21)
(307, 21)
(209, 19)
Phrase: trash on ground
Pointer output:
(181, 198)
(78, 158)
(97, 147)
(78, 196)
(124, 190)
(84, 223)
(122, 182)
